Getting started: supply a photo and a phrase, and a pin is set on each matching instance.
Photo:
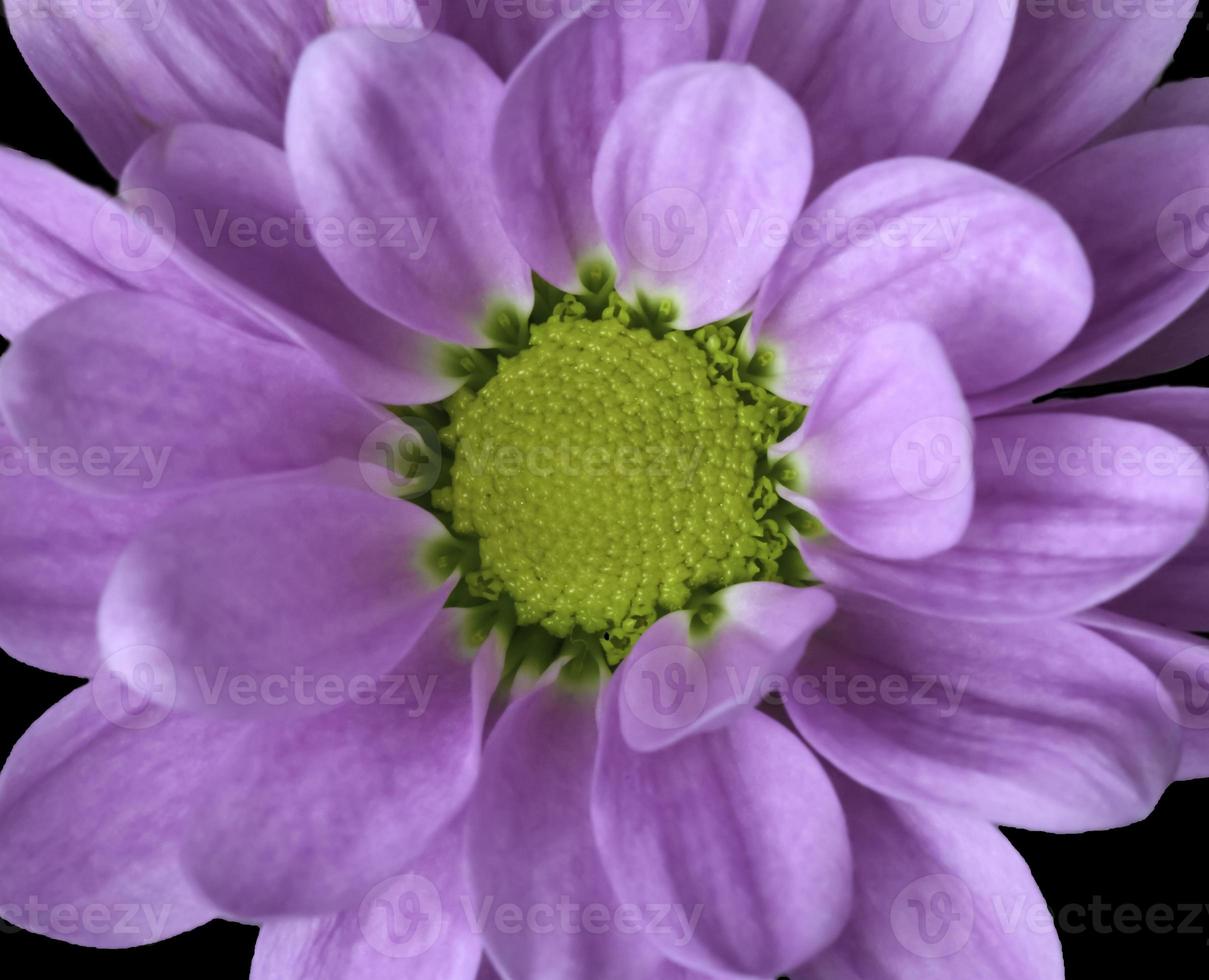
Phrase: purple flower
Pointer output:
(617, 663)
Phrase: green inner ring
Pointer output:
(609, 470)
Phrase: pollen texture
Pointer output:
(610, 475)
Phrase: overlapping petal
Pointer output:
(1137, 205)
(934, 69)
(856, 459)
(1175, 595)
(236, 599)
(304, 817)
(553, 118)
(172, 398)
(94, 802)
(1041, 725)
(530, 848)
(682, 678)
(1066, 77)
(439, 259)
(1070, 511)
(60, 239)
(937, 895)
(764, 874)
(1181, 665)
(994, 271)
(415, 921)
(228, 203)
(121, 71)
(695, 161)
(59, 547)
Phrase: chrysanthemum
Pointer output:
(562, 497)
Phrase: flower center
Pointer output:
(612, 473)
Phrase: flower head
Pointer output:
(586, 514)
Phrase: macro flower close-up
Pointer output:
(600, 489)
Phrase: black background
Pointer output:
(1162, 863)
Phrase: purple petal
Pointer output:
(120, 73)
(1066, 78)
(306, 816)
(229, 202)
(890, 396)
(675, 683)
(1174, 104)
(361, 104)
(694, 155)
(732, 27)
(1181, 665)
(937, 896)
(274, 580)
(148, 395)
(1070, 511)
(63, 239)
(502, 34)
(1148, 259)
(933, 242)
(553, 118)
(412, 924)
(1175, 594)
(1183, 103)
(59, 547)
(986, 717)
(93, 804)
(928, 86)
(531, 851)
(764, 875)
